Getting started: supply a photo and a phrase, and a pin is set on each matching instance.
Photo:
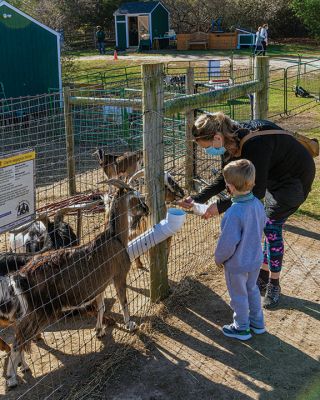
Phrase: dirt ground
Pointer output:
(281, 62)
(187, 357)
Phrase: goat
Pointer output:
(43, 234)
(139, 224)
(36, 237)
(123, 166)
(175, 80)
(32, 238)
(9, 262)
(66, 278)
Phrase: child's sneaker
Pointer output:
(231, 331)
(272, 296)
(257, 331)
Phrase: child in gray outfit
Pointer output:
(239, 250)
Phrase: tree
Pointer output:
(308, 11)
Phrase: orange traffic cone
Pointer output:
(115, 55)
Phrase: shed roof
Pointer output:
(138, 7)
(4, 3)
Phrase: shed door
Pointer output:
(122, 35)
(144, 31)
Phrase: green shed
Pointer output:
(139, 23)
(29, 54)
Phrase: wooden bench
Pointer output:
(198, 38)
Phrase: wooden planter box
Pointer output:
(217, 41)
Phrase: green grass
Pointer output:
(308, 110)
(311, 207)
(90, 66)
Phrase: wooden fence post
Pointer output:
(261, 73)
(69, 141)
(153, 146)
(232, 66)
(190, 151)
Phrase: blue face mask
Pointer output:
(213, 151)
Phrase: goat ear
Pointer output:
(173, 186)
(99, 153)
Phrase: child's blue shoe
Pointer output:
(231, 331)
(257, 331)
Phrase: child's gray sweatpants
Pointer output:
(245, 299)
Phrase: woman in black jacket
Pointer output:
(284, 174)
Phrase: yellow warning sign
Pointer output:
(17, 159)
(17, 189)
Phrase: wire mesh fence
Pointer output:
(135, 131)
(214, 74)
(294, 89)
(56, 293)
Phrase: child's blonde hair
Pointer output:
(241, 174)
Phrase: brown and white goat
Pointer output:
(123, 166)
(69, 278)
(138, 223)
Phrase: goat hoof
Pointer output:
(131, 326)
(100, 332)
(12, 382)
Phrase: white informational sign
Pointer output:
(17, 189)
(214, 69)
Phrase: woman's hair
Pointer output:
(208, 125)
(241, 174)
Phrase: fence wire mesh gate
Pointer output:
(62, 300)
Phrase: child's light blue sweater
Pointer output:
(239, 246)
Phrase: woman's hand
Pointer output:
(186, 203)
(212, 211)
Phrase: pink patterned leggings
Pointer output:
(273, 244)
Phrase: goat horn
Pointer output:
(118, 183)
(136, 175)
(84, 206)
(75, 207)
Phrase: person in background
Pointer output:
(258, 50)
(285, 172)
(239, 250)
(101, 36)
(264, 36)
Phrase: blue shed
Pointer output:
(29, 54)
(139, 22)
